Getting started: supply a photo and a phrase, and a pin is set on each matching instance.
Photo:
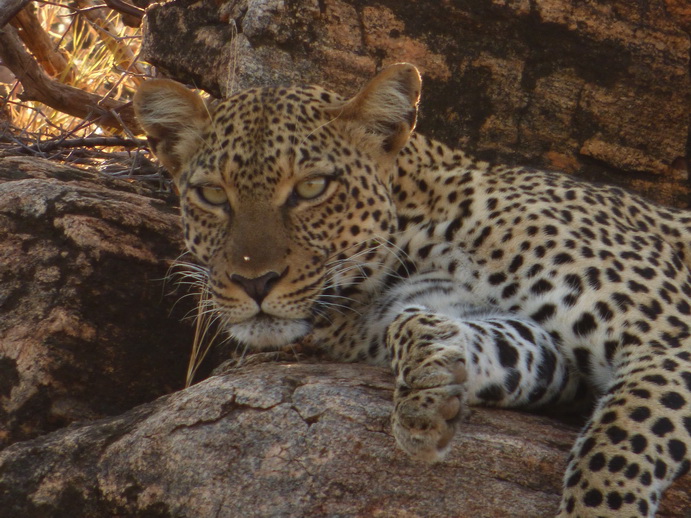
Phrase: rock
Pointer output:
(85, 330)
(598, 89)
(287, 440)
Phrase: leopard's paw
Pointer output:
(425, 420)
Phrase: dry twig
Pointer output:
(51, 145)
(132, 15)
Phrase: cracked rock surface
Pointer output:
(278, 439)
(85, 328)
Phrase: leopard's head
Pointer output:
(285, 193)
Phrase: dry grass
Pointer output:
(99, 55)
(94, 54)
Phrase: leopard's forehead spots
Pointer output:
(259, 139)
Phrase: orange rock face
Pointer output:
(599, 89)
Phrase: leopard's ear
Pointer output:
(173, 118)
(382, 116)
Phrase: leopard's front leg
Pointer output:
(636, 443)
(444, 364)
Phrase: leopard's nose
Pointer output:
(258, 287)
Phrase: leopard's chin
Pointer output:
(266, 332)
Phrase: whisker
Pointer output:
(321, 126)
(207, 317)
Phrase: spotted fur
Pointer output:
(325, 219)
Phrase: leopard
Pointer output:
(328, 220)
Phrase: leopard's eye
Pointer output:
(311, 188)
(212, 194)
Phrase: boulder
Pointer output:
(288, 439)
(86, 329)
